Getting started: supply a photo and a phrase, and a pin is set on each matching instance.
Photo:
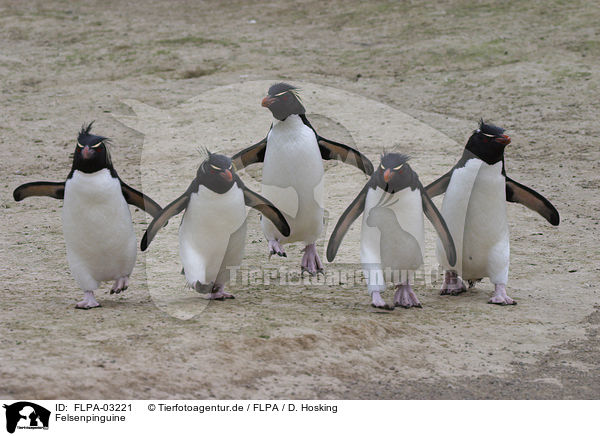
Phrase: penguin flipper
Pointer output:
(40, 189)
(517, 193)
(253, 154)
(140, 200)
(439, 186)
(264, 206)
(336, 150)
(435, 217)
(348, 217)
(160, 221)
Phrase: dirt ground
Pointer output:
(165, 78)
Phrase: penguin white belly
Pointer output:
(98, 230)
(474, 208)
(293, 180)
(392, 236)
(207, 225)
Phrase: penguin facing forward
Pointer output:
(474, 207)
(212, 233)
(292, 176)
(392, 235)
(96, 220)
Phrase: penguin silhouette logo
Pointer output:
(26, 415)
(398, 249)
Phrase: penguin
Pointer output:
(392, 234)
(292, 177)
(96, 220)
(212, 233)
(474, 207)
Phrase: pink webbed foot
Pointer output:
(406, 297)
(121, 284)
(219, 294)
(276, 248)
(500, 296)
(379, 303)
(453, 284)
(88, 302)
(310, 261)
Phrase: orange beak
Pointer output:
(227, 175)
(387, 175)
(267, 101)
(504, 140)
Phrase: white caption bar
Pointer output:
(296, 417)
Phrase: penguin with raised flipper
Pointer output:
(292, 176)
(96, 219)
(212, 233)
(474, 207)
(392, 237)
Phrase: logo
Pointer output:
(26, 415)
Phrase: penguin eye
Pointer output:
(382, 167)
(79, 145)
(230, 167)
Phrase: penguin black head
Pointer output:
(488, 143)
(283, 100)
(394, 173)
(91, 153)
(216, 173)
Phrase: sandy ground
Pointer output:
(163, 79)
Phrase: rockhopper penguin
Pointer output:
(474, 207)
(292, 176)
(212, 233)
(96, 220)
